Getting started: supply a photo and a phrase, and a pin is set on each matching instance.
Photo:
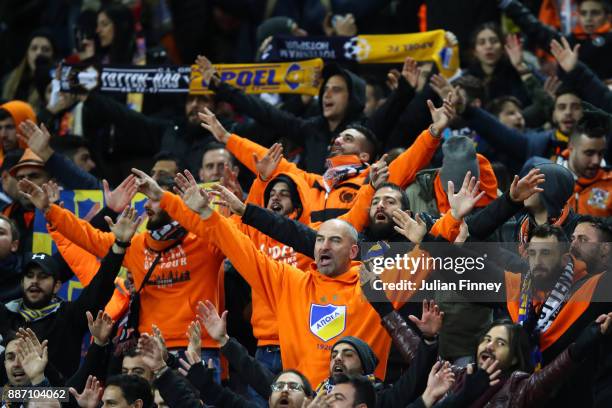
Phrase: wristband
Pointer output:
(122, 244)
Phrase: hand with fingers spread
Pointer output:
(440, 380)
(37, 139)
(215, 325)
(159, 337)
(29, 334)
(431, 319)
(322, 400)
(514, 50)
(411, 72)
(441, 116)
(414, 229)
(207, 70)
(147, 185)
(192, 195)
(269, 162)
(191, 359)
(522, 189)
(91, 395)
(463, 202)
(32, 362)
(101, 328)
(53, 192)
(566, 56)
(551, 86)
(151, 352)
(379, 172)
(212, 124)
(440, 85)
(230, 180)
(226, 198)
(38, 196)
(126, 226)
(194, 336)
(122, 196)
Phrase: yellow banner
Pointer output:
(426, 46)
(299, 77)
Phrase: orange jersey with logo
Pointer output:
(313, 310)
(593, 196)
(185, 274)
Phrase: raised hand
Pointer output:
(151, 352)
(192, 358)
(393, 77)
(490, 368)
(551, 86)
(431, 319)
(147, 185)
(441, 116)
(440, 85)
(440, 380)
(207, 70)
(193, 195)
(215, 325)
(230, 181)
(514, 50)
(228, 199)
(269, 162)
(379, 172)
(53, 192)
(466, 198)
(35, 194)
(122, 196)
(605, 323)
(29, 334)
(91, 395)
(101, 328)
(32, 362)
(414, 229)
(126, 226)
(194, 336)
(37, 139)
(522, 189)
(159, 337)
(411, 72)
(564, 54)
(212, 124)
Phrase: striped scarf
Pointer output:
(33, 315)
(340, 168)
(536, 324)
(168, 232)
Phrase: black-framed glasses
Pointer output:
(291, 386)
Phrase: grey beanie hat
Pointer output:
(459, 158)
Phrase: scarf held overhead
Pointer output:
(368, 49)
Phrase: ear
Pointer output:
(364, 157)
(354, 251)
(57, 286)
(14, 246)
(138, 403)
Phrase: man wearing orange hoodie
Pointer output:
(593, 188)
(12, 114)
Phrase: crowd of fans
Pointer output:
(252, 282)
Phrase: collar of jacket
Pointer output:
(580, 34)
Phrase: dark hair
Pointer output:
(7, 338)
(364, 389)
(519, 345)
(216, 146)
(404, 201)
(122, 48)
(485, 26)
(564, 90)
(13, 227)
(496, 106)
(68, 145)
(600, 224)
(503, 175)
(169, 156)
(473, 87)
(592, 125)
(307, 387)
(131, 352)
(133, 388)
(380, 89)
(373, 144)
(547, 230)
(4, 114)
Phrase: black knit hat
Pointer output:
(369, 361)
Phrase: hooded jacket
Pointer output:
(312, 309)
(324, 205)
(188, 271)
(20, 112)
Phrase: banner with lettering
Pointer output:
(368, 49)
(300, 77)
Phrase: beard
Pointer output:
(44, 301)
(380, 231)
(158, 221)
